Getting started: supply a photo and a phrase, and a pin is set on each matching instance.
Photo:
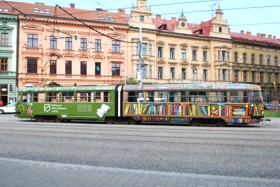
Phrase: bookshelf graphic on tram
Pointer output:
(194, 104)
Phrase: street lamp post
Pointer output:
(140, 71)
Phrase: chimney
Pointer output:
(174, 19)
(242, 32)
(121, 11)
(274, 37)
(263, 35)
(269, 36)
(158, 16)
(258, 35)
(248, 33)
(72, 5)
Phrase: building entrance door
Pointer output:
(4, 94)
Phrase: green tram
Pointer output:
(219, 104)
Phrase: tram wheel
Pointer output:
(39, 119)
(58, 120)
(195, 122)
(109, 120)
(131, 121)
(221, 123)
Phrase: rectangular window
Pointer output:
(142, 18)
(116, 69)
(205, 75)
(183, 54)
(160, 72)
(172, 53)
(261, 77)
(253, 58)
(83, 44)
(276, 61)
(244, 58)
(151, 49)
(150, 71)
(53, 67)
(204, 56)
(172, 73)
(4, 39)
(31, 65)
(269, 77)
(97, 45)
(3, 64)
(116, 46)
(253, 76)
(194, 55)
(144, 71)
(261, 59)
(245, 76)
(32, 40)
(224, 53)
(224, 74)
(184, 73)
(268, 60)
(160, 52)
(219, 55)
(83, 67)
(68, 67)
(68, 44)
(236, 57)
(144, 49)
(97, 68)
(236, 76)
(53, 42)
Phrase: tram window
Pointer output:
(160, 96)
(198, 96)
(97, 95)
(218, 97)
(39, 97)
(68, 96)
(256, 97)
(150, 96)
(82, 96)
(236, 96)
(53, 97)
(183, 96)
(135, 96)
(106, 96)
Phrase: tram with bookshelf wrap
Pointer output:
(195, 104)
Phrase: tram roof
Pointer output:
(194, 86)
(68, 88)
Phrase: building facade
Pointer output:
(8, 57)
(69, 46)
(256, 61)
(175, 51)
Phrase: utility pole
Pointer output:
(140, 71)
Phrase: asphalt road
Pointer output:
(228, 151)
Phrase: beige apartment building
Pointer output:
(256, 61)
(175, 51)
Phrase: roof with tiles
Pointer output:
(169, 25)
(40, 9)
(259, 38)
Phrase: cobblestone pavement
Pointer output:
(17, 173)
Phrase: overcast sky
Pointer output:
(256, 16)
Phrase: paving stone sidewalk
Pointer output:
(24, 173)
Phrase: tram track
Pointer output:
(166, 139)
